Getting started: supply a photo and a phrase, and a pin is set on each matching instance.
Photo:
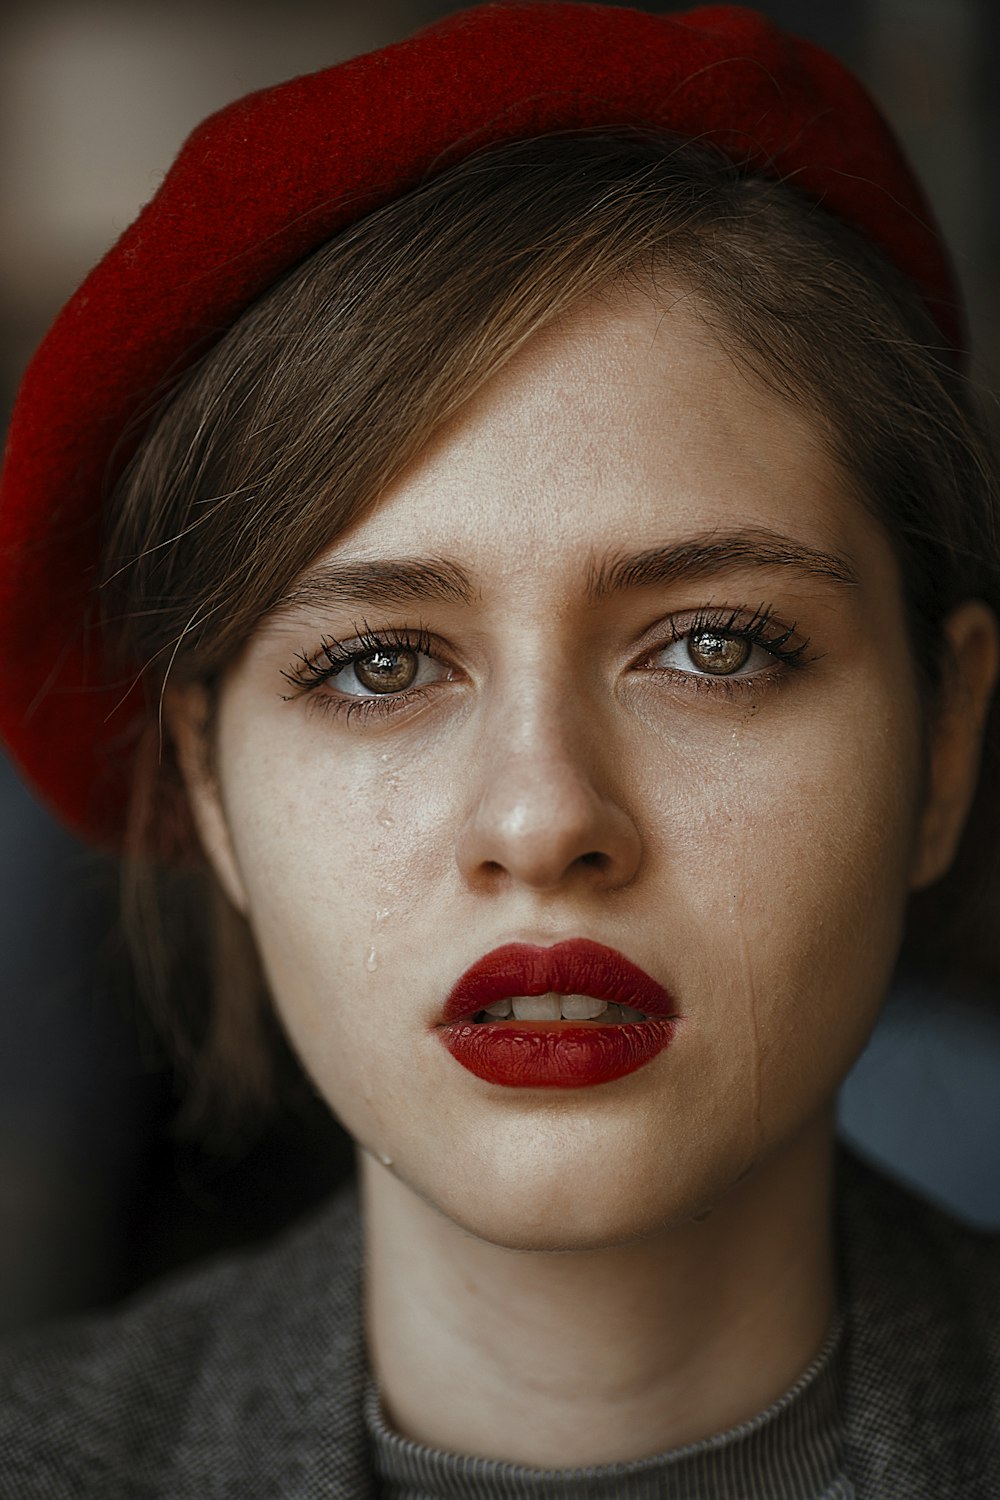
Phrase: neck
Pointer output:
(563, 1359)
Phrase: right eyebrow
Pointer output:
(376, 580)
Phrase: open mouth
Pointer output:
(554, 1007)
(521, 1016)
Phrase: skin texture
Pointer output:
(601, 1273)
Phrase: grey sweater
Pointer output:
(247, 1379)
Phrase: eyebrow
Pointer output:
(379, 580)
(711, 552)
(393, 581)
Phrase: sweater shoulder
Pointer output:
(99, 1404)
(921, 1388)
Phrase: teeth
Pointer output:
(553, 1007)
(628, 1014)
(537, 1007)
(581, 1007)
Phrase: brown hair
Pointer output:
(290, 428)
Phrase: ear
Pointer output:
(955, 736)
(186, 711)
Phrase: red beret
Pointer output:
(267, 179)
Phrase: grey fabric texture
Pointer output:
(247, 1378)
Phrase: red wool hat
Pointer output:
(266, 180)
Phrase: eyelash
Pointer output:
(760, 629)
(332, 657)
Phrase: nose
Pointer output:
(545, 809)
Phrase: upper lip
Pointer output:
(578, 966)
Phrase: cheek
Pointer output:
(341, 856)
(328, 842)
(786, 862)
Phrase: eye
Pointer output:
(718, 654)
(731, 644)
(370, 674)
(384, 670)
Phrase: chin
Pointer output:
(588, 1204)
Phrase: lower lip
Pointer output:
(539, 1055)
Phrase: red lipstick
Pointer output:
(555, 1054)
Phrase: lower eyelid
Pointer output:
(349, 706)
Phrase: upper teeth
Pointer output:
(553, 1007)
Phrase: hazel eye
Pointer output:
(372, 673)
(707, 650)
(385, 671)
(712, 651)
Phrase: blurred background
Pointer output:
(95, 98)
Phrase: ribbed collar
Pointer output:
(791, 1451)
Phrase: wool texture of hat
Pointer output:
(268, 179)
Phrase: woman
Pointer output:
(548, 601)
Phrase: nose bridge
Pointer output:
(544, 806)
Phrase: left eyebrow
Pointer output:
(714, 552)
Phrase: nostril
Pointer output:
(541, 845)
(596, 860)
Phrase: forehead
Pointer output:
(624, 422)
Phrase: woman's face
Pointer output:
(659, 695)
